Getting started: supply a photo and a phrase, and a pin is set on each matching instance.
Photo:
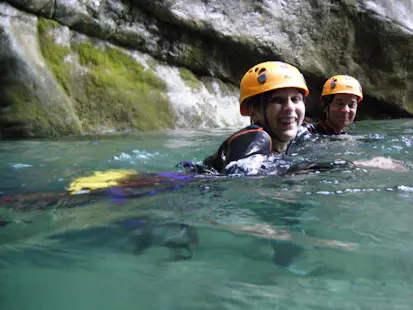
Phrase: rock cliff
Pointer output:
(79, 66)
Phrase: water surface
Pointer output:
(80, 257)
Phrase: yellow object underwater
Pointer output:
(99, 180)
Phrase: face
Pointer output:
(285, 113)
(342, 110)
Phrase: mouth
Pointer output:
(288, 121)
(343, 120)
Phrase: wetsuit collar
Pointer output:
(330, 129)
(273, 137)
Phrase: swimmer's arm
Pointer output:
(214, 161)
(241, 145)
(382, 163)
(272, 233)
(248, 143)
(350, 137)
(377, 162)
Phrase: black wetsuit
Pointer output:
(322, 128)
(247, 142)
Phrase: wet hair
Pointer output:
(327, 100)
(255, 101)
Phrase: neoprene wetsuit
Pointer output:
(322, 128)
(247, 142)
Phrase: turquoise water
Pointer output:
(80, 258)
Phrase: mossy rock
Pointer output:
(28, 117)
(190, 79)
(30, 106)
(109, 88)
(53, 53)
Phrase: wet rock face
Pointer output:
(31, 102)
(215, 39)
(369, 40)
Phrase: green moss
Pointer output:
(53, 53)
(119, 93)
(194, 56)
(151, 63)
(408, 107)
(111, 90)
(29, 112)
(189, 79)
(27, 116)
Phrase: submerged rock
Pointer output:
(146, 233)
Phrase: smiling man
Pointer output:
(340, 97)
(272, 95)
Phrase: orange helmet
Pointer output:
(268, 76)
(342, 84)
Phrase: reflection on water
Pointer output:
(338, 239)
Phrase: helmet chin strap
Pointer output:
(326, 112)
(264, 113)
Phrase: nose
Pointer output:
(346, 108)
(288, 105)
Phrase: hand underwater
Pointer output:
(382, 163)
(272, 233)
(344, 137)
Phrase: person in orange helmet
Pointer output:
(272, 94)
(340, 97)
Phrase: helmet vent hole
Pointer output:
(262, 70)
(262, 76)
(256, 69)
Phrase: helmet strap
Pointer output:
(264, 113)
(326, 111)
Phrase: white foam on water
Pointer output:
(137, 154)
(405, 188)
(20, 166)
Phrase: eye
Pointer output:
(296, 99)
(339, 104)
(277, 100)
